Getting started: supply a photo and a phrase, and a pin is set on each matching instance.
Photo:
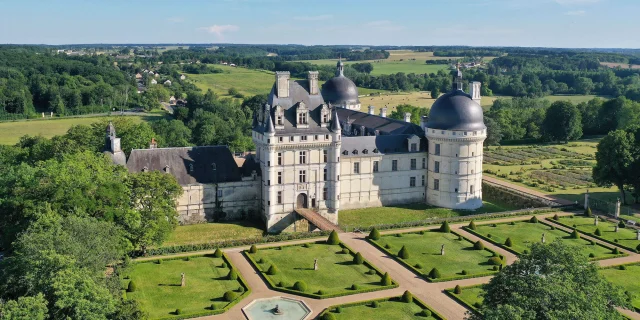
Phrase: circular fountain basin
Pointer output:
(265, 309)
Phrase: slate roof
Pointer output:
(456, 111)
(190, 165)
(371, 122)
(378, 145)
(340, 89)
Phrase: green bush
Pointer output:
(421, 232)
(223, 265)
(598, 232)
(464, 272)
(407, 297)
(478, 245)
(217, 253)
(496, 261)
(638, 248)
(512, 223)
(417, 266)
(434, 273)
(158, 261)
(260, 261)
(178, 312)
(230, 296)
(533, 219)
(321, 292)
(212, 307)
(488, 235)
(333, 238)
(307, 245)
(253, 249)
(328, 316)
(345, 251)
(587, 212)
(273, 270)
(338, 309)
(616, 251)
(371, 272)
(445, 227)
(374, 234)
(386, 279)
(555, 217)
(355, 287)
(425, 313)
(477, 305)
(575, 234)
(621, 224)
(358, 259)
(457, 289)
(131, 287)
(495, 268)
(592, 255)
(187, 259)
(387, 246)
(300, 286)
(281, 284)
(508, 242)
(233, 275)
(240, 289)
(622, 267)
(403, 253)
(375, 304)
(472, 225)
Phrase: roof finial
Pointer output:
(340, 71)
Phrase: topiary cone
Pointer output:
(472, 225)
(333, 238)
(445, 227)
(358, 259)
(374, 234)
(273, 270)
(407, 297)
(217, 253)
(403, 253)
(457, 289)
(253, 249)
(434, 273)
(386, 279)
(575, 234)
(508, 242)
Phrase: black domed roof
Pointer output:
(340, 89)
(456, 111)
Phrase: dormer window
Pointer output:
(325, 116)
(145, 169)
(376, 150)
(365, 151)
(302, 113)
(279, 115)
(346, 153)
(355, 151)
(166, 169)
(190, 167)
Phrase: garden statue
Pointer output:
(277, 310)
(595, 220)
(315, 264)
(543, 238)
(183, 282)
(638, 234)
(617, 227)
(442, 250)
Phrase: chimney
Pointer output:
(407, 117)
(423, 122)
(313, 82)
(474, 91)
(383, 112)
(153, 144)
(282, 84)
(371, 111)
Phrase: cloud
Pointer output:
(314, 18)
(175, 19)
(575, 2)
(383, 25)
(576, 13)
(220, 30)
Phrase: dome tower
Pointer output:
(456, 132)
(340, 91)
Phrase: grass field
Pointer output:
(213, 232)
(625, 237)
(575, 99)
(413, 212)
(525, 233)
(420, 99)
(336, 270)
(472, 296)
(10, 132)
(628, 279)
(160, 294)
(424, 251)
(619, 64)
(393, 308)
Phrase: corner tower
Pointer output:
(456, 133)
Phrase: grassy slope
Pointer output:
(425, 250)
(10, 132)
(625, 236)
(159, 291)
(212, 232)
(628, 279)
(386, 310)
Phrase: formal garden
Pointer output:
(517, 237)
(628, 277)
(617, 234)
(471, 297)
(439, 254)
(321, 269)
(403, 307)
(185, 287)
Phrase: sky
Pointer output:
(527, 23)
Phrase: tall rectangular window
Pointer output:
(279, 177)
(412, 181)
(325, 155)
(291, 139)
(414, 147)
(356, 167)
(279, 197)
(437, 151)
(324, 193)
(303, 157)
(375, 166)
(471, 189)
(436, 166)
(302, 176)
(303, 138)
(413, 164)
(324, 174)
(394, 165)
(279, 158)
(423, 180)
(424, 163)
(436, 184)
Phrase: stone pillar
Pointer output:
(618, 208)
(407, 117)
(595, 221)
(617, 228)
(372, 110)
(383, 112)
(638, 234)
(586, 200)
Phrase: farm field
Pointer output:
(625, 237)
(619, 64)
(460, 258)
(575, 99)
(392, 308)
(367, 217)
(159, 292)
(213, 232)
(628, 279)
(525, 233)
(10, 132)
(471, 296)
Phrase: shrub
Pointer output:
(375, 304)
(422, 232)
(300, 286)
(587, 212)
(512, 223)
(598, 232)
(233, 275)
(434, 273)
(552, 227)
(621, 224)
(457, 289)
(260, 261)
(445, 227)
(187, 259)
(398, 235)
(240, 289)
(555, 217)
(230, 296)
(488, 235)
(253, 249)
(387, 246)
(281, 284)
(358, 259)
(533, 219)
(223, 265)
(370, 272)
(417, 266)
(478, 245)
(571, 217)
(273, 270)
(339, 310)
(638, 248)
(178, 312)
(328, 316)
(386, 279)
(508, 242)
(212, 307)
(217, 253)
(575, 234)
(495, 268)
(403, 253)
(477, 305)
(158, 261)
(472, 225)
(307, 245)
(464, 272)
(345, 251)
(496, 261)
(525, 251)
(407, 297)
(321, 292)
(374, 234)
(131, 287)
(591, 255)
(593, 243)
(355, 287)
(616, 251)
(425, 313)
(623, 267)
(333, 238)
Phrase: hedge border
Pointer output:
(422, 274)
(502, 246)
(273, 286)
(624, 264)
(417, 301)
(594, 236)
(452, 295)
(241, 280)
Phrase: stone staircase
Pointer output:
(317, 220)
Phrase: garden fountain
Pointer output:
(276, 308)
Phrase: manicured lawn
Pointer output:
(11, 132)
(213, 232)
(525, 233)
(389, 309)
(413, 212)
(159, 291)
(625, 236)
(336, 270)
(628, 279)
(424, 250)
(470, 295)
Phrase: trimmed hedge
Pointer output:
(333, 238)
(407, 297)
(453, 295)
(403, 253)
(508, 242)
(253, 249)
(445, 227)
(587, 212)
(374, 234)
(434, 273)
(233, 275)
(472, 225)
(386, 279)
(426, 310)
(273, 270)
(230, 296)
(533, 219)
(457, 289)
(575, 234)
(478, 245)
(300, 286)
(131, 287)
(358, 259)
(637, 249)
